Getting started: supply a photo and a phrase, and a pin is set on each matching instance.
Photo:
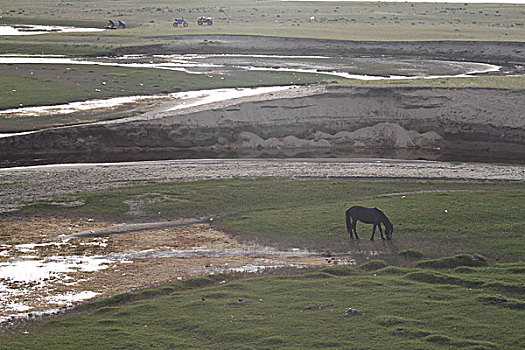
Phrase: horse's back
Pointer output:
(364, 214)
(360, 209)
(357, 208)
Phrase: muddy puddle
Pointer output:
(48, 265)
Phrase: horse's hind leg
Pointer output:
(350, 231)
(349, 224)
(354, 223)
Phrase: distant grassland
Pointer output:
(41, 84)
(48, 84)
(439, 218)
(151, 22)
(24, 85)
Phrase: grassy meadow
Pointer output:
(452, 277)
(439, 218)
(50, 84)
(151, 22)
(334, 308)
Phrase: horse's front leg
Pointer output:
(373, 232)
(381, 231)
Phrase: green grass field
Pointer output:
(419, 294)
(405, 300)
(439, 218)
(151, 21)
(50, 84)
(334, 308)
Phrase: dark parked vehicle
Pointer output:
(180, 22)
(204, 20)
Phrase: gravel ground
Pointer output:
(24, 184)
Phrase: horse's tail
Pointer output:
(348, 221)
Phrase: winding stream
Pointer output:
(359, 68)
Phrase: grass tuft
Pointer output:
(341, 271)
(411, 253)
(373, 265)
(438, 339)
(464, 269)
(507, 287)
(501, 301)
(454, 261)
(389, 321)
(441, 278)
(392, 270)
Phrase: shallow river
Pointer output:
(358, 68)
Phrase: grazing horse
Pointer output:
(368, 216)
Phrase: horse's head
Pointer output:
(388, 232)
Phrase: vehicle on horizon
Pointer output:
(180, 21)
(111, 25)
(204, 20)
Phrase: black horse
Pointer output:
(368, 216)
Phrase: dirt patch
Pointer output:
(50, 263)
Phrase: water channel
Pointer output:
(358, 68)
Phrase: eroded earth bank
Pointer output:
(398, 122)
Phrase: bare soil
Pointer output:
(137, 259)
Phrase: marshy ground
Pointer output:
(60, 262)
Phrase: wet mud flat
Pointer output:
(30, 29)
(50, 264)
